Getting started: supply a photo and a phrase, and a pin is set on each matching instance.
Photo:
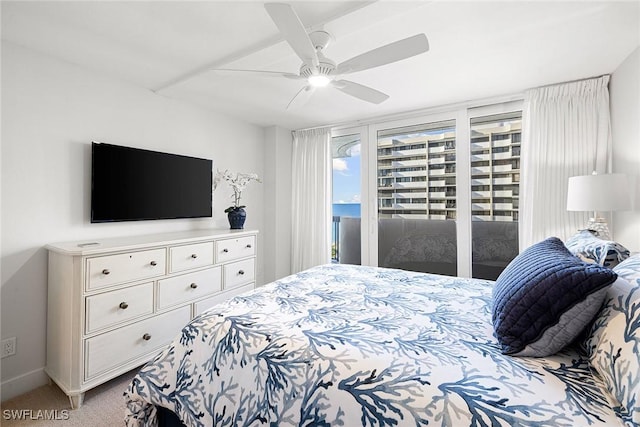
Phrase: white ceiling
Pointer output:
(477, 49)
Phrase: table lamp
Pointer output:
(599, 193)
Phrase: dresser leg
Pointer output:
(76, 400)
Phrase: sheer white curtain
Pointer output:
(566, 133)
(311, 186)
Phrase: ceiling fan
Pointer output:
(320, 71)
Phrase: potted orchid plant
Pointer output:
(238, 182)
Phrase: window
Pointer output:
(495, 184)
(440, 193)
(346, 195)
(415, 205)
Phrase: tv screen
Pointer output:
(131, 184)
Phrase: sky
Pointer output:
(346, 178)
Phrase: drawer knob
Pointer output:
(225, 250)
(146, 337)
(153, 263)
(194, 256)
(193, 285)
(105, 271)
(249, 246)
(123, 305)
(241, 272)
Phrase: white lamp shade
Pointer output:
(607, 192)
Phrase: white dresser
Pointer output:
(114, 303)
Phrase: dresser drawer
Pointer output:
(205, 304)
(188, 287)
(190, 256)
(115, 307)
(115, 348)
(230, 249)
(127, 267)
(238, 273)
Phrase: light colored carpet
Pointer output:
(103, 406)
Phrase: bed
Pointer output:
(351, 345)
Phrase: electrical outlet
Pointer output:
(8, 347)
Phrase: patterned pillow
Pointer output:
(587, 246)
(613, 343)
(545, 298)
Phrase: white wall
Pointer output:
(625, 122)
(51, 111)
(277, 220)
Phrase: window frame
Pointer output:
(462, 115)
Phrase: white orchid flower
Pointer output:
(238, 183)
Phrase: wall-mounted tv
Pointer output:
(132, 184)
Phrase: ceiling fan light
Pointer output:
(317, 80)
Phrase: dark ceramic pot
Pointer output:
(237, 217)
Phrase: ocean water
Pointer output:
(346, 209)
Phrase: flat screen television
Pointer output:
(132, 184)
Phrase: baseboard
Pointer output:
(22, 384)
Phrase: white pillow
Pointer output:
(586, 246)
(613, 343)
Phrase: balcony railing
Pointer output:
(423, 233)
(335, 239)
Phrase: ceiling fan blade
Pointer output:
(301, 98)
(387, 54)
(293, 31)
(360, 91)
(262, 73)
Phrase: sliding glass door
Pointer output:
(346, 200)
(416, 197)
(495, 190)
(436, 194)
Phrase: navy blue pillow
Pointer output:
(545, 297)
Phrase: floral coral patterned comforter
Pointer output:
(350, 345)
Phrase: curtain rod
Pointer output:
(418, 112)
(442, 108)
(574, 81)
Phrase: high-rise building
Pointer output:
(495, 167)
(417, 170)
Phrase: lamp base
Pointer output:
(600, 227)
